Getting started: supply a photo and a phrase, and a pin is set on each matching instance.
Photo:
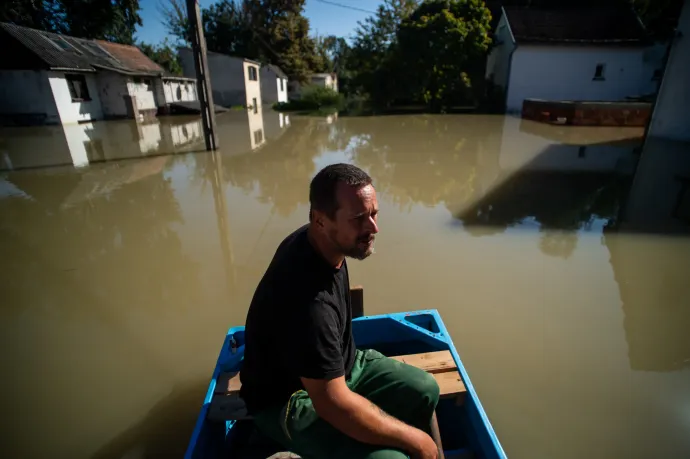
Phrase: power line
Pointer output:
(346, 6)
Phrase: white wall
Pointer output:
(144, 96)
(74, 112)
(27, 92)
(566, 73)
(282, 92)
(112, 89)
(670, 118)
(179, 90)
(256, 124)
(253, 87)
(499, 59)
(270, 87)
(227, 76)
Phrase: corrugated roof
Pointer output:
(130, 57)
(590, 25)
(65, 52)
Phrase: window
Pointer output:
(252, 73)
(258, 136)
(599, 72)
(77, 88)
(255, 104)
(149, 84)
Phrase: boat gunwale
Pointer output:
(442, 335)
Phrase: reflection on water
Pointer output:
(557, 257)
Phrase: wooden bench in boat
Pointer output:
(227, 405)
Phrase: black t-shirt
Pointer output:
(299, 324)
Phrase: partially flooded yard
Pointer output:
(557, 257)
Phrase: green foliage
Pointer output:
(370, 53)
(42, 14)
(270, 31)
(164, 55)
(314, 98)
(112, 20)
(438, 44)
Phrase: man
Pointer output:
(304, 381)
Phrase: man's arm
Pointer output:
(362, 420)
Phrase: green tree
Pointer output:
(226, 30)
(111, 20)
(37, 14)
(438, 44)
(164, 55)
(374, 39)
(271, 31)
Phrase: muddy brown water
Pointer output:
(557, 256)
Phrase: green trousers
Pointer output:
(401, 390)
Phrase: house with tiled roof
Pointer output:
(48, 78)
(572, 54)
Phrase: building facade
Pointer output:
(571, 55)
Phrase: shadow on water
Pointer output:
(164, 431)
(492, 174)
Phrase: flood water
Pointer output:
(557, 256)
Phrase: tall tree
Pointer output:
(112, 20)
(372, 44)
(37, 14)
(271, 31)
(438, 44)
(281, 32)
(227, 31)
(174, 19)
(164, 55)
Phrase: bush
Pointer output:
(314, 98)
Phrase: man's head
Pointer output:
(344, 209)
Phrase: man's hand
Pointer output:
(362, 420)
(427, 449)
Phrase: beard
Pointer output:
(357, 252)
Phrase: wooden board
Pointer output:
(228, 383)
(431, 362)
(450, 384)
(440, 364)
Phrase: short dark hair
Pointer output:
(323, 186)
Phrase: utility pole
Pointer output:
(203, 79)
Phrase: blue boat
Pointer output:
(223, 428)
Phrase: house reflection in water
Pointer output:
(82, 144)
(565, 181)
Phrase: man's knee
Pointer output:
(426, 386)
(386, 454)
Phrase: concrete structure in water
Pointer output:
(670, 118)
(583, 54)
(47, 78)
(234, 80)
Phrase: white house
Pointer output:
(234, 80)
(324, 80)
(274, 84)
(47, 78)
(670, 118)
(593, 54)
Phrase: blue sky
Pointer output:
(324, 18)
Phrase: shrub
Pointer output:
(314, 98)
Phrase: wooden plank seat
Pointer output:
(227, 405)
